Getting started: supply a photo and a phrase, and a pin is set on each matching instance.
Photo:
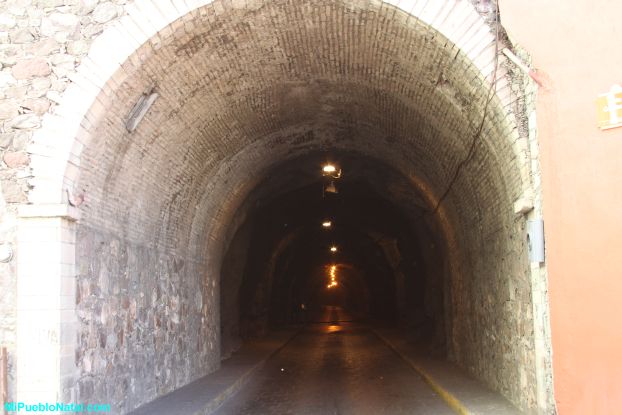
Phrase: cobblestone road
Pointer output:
(336, 368)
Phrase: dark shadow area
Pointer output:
(387, 265)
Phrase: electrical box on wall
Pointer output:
(535, 240)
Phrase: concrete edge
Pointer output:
(236, 386)
(450, 399)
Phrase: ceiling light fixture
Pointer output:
(140, 110)
(331, 170)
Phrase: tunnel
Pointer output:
(202, 229)
(387, 262)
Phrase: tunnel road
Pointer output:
(336, 367)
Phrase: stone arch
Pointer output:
(57, 147)
(152, 29)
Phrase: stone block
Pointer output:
(14, 191)
(92, 30)
(87, 6)
(7, 21)
(6, 139)
(8, 109)
(104, 12)
(31, 68)
(79, 47)
(9, 55)
(55, 23)
(21, 139)
(38, 87)
(24, 121)
(17, 92)
(43, 47)
(38, 106)
(21, 36)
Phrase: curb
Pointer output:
(195, 398)
(221, 398)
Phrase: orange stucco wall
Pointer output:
(578, 44)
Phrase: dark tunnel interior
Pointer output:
(387, 264)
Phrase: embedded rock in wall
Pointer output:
(105, 12)
(8, 109)
(30, 68)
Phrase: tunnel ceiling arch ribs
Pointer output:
(245, 85)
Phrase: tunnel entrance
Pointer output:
(202, 224)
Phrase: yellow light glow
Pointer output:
(333, 328)
(333, 276)
(327, 224)
(333, 249)
(333, 171)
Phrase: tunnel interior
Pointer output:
(202, 228)
(388, 263)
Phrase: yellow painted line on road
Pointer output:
(453, 402)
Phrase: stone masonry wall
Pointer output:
(42, 43)
(149, 325)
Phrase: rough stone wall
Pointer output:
(490, 289)
(41, 44)
(239, 88)
(492, 316)
(149, 325)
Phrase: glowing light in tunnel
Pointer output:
(333, 248)
(333, 328)
(331, 188)
(331, 170)
(327, 224)
(333, 277)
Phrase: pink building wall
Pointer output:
(578, 44)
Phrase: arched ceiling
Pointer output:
(242, 90)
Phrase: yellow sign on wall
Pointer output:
(609, 108)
